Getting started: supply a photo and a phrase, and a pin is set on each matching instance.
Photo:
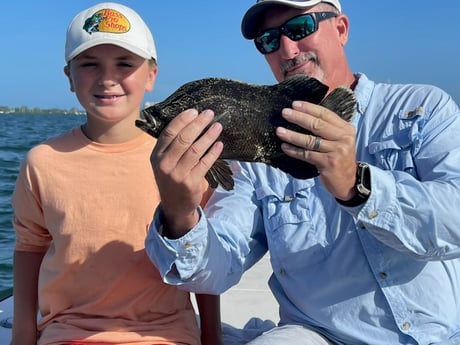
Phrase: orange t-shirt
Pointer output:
(88, 206)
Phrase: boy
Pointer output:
(83, 202)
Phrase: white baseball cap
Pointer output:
(109, 23)
(250, 23)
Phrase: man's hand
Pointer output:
(180, 161)
(331, 148)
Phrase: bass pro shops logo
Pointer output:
(107, 20)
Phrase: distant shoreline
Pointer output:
(82, 113)
(38, 111)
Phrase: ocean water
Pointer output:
(19, 133)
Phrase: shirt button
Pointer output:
(282, 272)
(288, 198)
(373, 214)
(383, 275)
(406, 326)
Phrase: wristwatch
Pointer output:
(362, 185)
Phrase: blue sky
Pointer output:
(394, 41)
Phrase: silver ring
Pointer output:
(317, 144)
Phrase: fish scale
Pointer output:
(249, 115)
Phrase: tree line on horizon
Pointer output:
(40, 111)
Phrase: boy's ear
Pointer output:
(69, 76)
(151, 79)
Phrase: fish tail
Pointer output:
(341, 101)
(296, 85)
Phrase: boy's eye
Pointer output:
(87, 63)
(126, 64)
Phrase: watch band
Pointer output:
(362, 185)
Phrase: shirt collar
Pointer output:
(363, 92)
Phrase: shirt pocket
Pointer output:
(295, 238)
(404, 137)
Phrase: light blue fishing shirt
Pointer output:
(386, 272)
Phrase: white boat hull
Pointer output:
(6, 320)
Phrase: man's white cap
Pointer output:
(251, 20)
(109, 23)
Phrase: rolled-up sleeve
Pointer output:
(176, 259)
(415, 178)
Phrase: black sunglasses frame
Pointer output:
(276, 32)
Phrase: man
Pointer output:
(365, 253)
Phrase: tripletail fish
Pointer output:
(249, 115)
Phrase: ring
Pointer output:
(317, 144)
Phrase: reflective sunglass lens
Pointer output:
(268, 42)
(299, 27)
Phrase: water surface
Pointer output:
(19, 133)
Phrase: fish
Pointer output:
(249, 114)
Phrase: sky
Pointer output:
(390, 41)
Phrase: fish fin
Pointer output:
(341, 101)
(220, 174)
(297, 85)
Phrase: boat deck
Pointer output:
(250, 298)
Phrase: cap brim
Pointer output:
(105, 40)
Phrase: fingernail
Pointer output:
(216, 127)
(208, 113)
(280, 130)
(286, 111)
(191, 113)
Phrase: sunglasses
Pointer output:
(295, 28)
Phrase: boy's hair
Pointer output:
(109, 23)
